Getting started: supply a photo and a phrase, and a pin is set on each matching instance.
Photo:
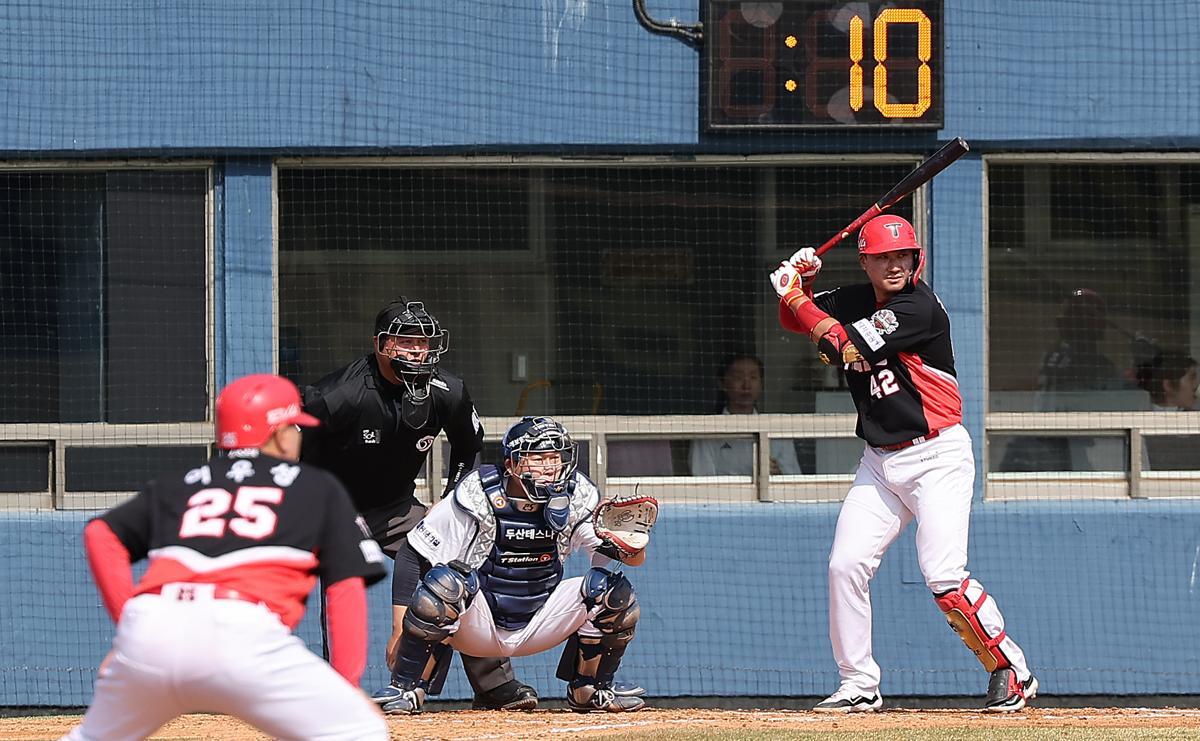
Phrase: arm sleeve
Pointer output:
(826, 301)
(465, 434)
(110, 565)
(346, 615)
(315, 447)
(444, 534)
(346, 549)
(905, 323)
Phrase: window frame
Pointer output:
(59, 436)
(1135, 483)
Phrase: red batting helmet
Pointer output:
(889, 233)
(251, 408)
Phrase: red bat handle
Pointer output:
(867, 215)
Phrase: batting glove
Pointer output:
(807, 263)
(785, 279)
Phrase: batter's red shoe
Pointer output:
(1006, 694)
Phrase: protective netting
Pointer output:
(545, 179)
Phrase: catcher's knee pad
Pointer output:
(973, 614)
(443, 595)
(612, 593)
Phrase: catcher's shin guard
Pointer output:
(593, 660)
(973, 614)
(443, 595)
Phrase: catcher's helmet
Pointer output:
(251, 408)
(408, 319)
(889, 233)
(541, 435)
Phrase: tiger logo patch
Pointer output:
(885, 321)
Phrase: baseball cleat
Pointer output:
(849, 701)
(601, 700)
(1006, 694)
(387, 694)
(628, 689)
(408, 703)
(512, 695)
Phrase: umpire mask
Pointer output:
(411, 341)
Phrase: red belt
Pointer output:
(909, 443)
(185, 592)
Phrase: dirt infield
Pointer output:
(464, 725)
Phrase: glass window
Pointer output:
(126, 468)
(616, 290)
(103, 284)
(1094, 275)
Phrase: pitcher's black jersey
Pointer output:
(365, 443)
(259, 525)
(906, 386)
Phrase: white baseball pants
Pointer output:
(225, 656)
(563, 615)
(932, 482)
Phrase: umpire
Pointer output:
(379, 416)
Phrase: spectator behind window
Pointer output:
(1170, 378)
(740, 386)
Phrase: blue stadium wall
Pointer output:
(241, 84)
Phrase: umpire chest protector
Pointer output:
(519, 555)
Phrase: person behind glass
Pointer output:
(1170, 378)
(740, 384)
(379, 416)
(1075, 362)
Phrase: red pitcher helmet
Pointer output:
(251, 408)
(890, 233)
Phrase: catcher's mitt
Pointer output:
(623, 525)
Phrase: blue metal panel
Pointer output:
(957, 261)
(244, 272)
(1101, 595)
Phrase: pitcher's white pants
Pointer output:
(226, 656)
(563, 615)
(932, 482)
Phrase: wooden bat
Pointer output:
(920, 175)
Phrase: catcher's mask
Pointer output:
(411, 341)
(540, 453)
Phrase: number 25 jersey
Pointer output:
(259, 525)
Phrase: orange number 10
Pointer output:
(880, 31)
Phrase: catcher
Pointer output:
(492, 573)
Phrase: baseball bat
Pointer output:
(920, 175)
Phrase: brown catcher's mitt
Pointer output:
(623, 525)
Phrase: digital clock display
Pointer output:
(797, 64)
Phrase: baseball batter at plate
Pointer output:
(891, 337)
(492, 561)
(235, 545)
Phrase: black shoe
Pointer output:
(511, 695)
(1006, 694)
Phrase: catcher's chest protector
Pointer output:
(523, 567)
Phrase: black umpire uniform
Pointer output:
(375, 436)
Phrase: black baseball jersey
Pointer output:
(906, 387)
(364, 441)
(259, 525)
